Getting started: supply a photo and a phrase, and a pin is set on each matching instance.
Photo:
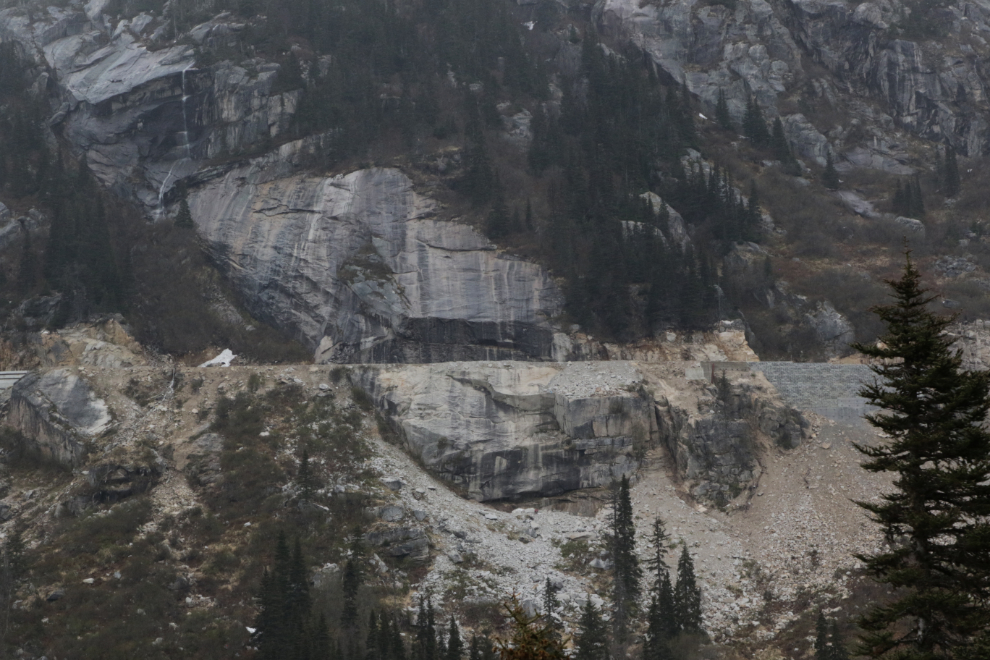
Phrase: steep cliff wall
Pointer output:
(508, 430)
(357, 266)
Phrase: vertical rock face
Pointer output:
(509, 430)
(146, 116)
(57, 412)
(357, 266)
(716, 434)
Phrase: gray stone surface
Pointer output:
(761, 47)
(357, 267)
(509, 429)
(914, 228)
(716, 444)
(832, 328)
(57, 413)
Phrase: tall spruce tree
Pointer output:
(592, 637)
(821, 637)
(660, 615)
(372, 646)
(283, 627)
(722, 116)
(184, 219)
(830, 178)
(687, 596)
(426, 647)
(754, 125)
(455, 647)
(950, 178)
(626, 570)
(836, 649)
(936, 516)
(657, 561)
(351, 585)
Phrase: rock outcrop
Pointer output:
(57, 413)
(932, 86)
(510, 430)
(717, 433)
(357, 266)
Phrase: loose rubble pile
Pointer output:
(792, 538)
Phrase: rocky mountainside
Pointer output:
(211, 458)
(523, 249)
(887, 68)
(350, 263)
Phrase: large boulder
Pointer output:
(57, 413)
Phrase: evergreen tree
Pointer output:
(657, 562)
(951, 177)
(529, 640)
(830, 178)
(323, 645)
(754, 125)
(836, 649)
(499, 223)
(283, 627)
(184, 219)
(687, 596)
(722, 116)
(626, 572)
(592, 638)
(660, 625)
(550, 600)
(935, 518)
(372, 647)
(666, 609)
(397, 647)
(455, 647)
(821, 638)
(305, 477)
(441, 645)
(656, 644)
(351, 584)
(426, 645)
(384, 637)
(916, 205)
